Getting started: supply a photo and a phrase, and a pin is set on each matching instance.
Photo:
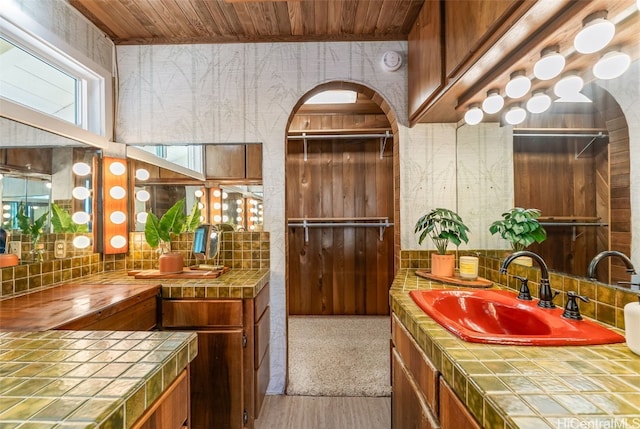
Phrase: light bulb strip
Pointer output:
(115, 201)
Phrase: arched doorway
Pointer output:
(341, 210)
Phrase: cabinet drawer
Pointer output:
(425, 374)
(261, 302)
(135, 314)
(201, 313)
(261, 333)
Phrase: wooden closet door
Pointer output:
(344, 270)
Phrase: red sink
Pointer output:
(498, 317)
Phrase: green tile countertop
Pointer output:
(526, 387)
(232, 284)
(86, 379)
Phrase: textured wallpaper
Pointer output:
(236, 93)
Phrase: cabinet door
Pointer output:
(171, 410)
(216, 380)
(453, 413)
(409, 410)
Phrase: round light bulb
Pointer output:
(238, 201)
(216, 193)
(142, 174)
(611, 65)
(493, 103)
(239, 218)
(117, 168)
(549, 66)
(6, 215)
(118, 241)
(142, 217)
(518, 86)
(217, 218)
(81, 242)
(239, 210)
(80, 193)
(225, 206)
(216, 206)
(473, 116)
(539, 103)
(225, 195)
(515, 115)
(200, 206)
(595, 35)
(47, 185)
(117, 192)
(117, 217)
(198, 193)
(568, 86)
(81, 169)
(80, 218)
(143, 195)
(225, 218)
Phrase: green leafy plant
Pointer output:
(520, 227)
(28, 228)
(62, 221)
(442, 226)
(173, 222)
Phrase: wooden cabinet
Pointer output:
(137, 313)
(420, 398)
(229, 376)
(233, 161)
(171, 409)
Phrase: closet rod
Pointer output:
(593, 135)
(306, 225)
(573, 224)
(337, 136)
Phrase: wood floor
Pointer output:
(324, 412)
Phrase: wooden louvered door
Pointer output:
(337, 269)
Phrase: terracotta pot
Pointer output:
(8, 260)
(442, 265)
(171, 262)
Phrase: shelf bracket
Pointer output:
(600, 135)
(304, 143)
(383, 143)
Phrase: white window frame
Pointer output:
(93, 97)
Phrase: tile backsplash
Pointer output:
(239, 250)
(606, 302)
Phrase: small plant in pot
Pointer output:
(520, 227)
(443, 226)
(158, 233)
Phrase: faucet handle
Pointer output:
(524, 292)
(571, 309)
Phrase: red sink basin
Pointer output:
(498, 317)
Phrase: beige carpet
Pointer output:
(339, 356)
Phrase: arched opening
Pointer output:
(342, 214)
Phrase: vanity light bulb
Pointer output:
(515, 115)
(260, 219)
(6, 207)
(239, 210)
(80, 193)
(200, 206)
(117, 192)
(201, 219)
(568, 86)
(143, 195)
(81, 242)
(6, 215)
(225, 218)
(612, 65)
(118, 217)
(493, 103)
(80, 218)
(142, 217)
(216, 206)
(473, 116)
(239, 218)
(252, 227)
(225, 195)
(117, 168)
(539, 103)
(217, 218)
(549, 66)
(48, 185)
(142, 174)
(81, 169)
(118, 241)
(595, 35)
(216, 193)
(198, 193)
(239, 201)
(225, 206)
(518, 86)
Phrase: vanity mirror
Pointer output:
(572, 163)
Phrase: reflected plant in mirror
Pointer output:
(33, 227)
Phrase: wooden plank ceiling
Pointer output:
(129, 22)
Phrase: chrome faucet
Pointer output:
(591, 271)
(545, 293)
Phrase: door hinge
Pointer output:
(245, 417)
(244, 340)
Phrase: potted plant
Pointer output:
(33, 229)
(62, 221)
(442, 226)
(158, 233)
(520, 227)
